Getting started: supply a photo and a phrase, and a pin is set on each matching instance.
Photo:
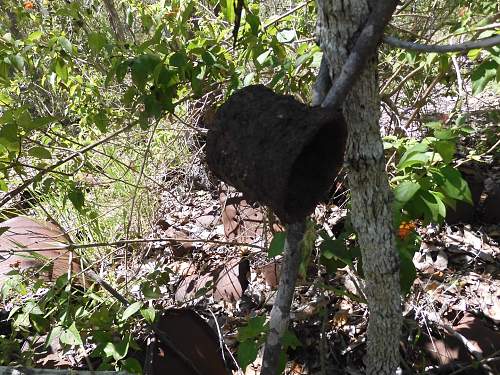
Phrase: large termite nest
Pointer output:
(276, 150)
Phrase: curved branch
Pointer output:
(366, 45)
(460, 47)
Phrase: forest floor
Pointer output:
(451, 314)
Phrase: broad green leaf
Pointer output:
(228, 10)
(286, 36)
(131, 310)
(17, 61)
(482, 75)
(261, 59)
(101, 121)
(178, 59)
(290, 340)
(247, 353)
(446, 150)
(40, 152)
(432, 204)
(454, 186)
(418, 149)
(54, 334)
(66, 45)
(39, 122)
(208, 58)
(149, 314)
(132, 366)
(405, 191)
(253, 329)
(277, 244)
(77, 197)
(97, 41)
(34, 36)
(444, 134)
(142, 67)
(117, 350)
(416, 158)
(61, 69)
(71, 336)
(5, 99)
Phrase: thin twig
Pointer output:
(127, 242)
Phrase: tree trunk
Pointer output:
(115, 20)
(338, 23)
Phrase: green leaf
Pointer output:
(71, 336)
(413, 155)
(131, 310)
(117, 350)
(444, 134)
(446, 149)
(9, 133)
(142, 67)
(454, 186)
(150, 290)
(433, 205)
(261, 59)
(208, 58)
(253, 329)
(77, 197)
(66, 45)
(132, 366)
(121, 70)
(286, 36)
(54, 334)
(290, 340)
(101, 121)
(39, 122)
(149, 314)
(5, 99)
(247, 353)
(40, 323)
(17, 61)
(254, 22)
(277, 244)
(97, 41)
(178, 59)
(405, 191)
(40, 152)
(34, 36)
(228, 10)
(482, 75)
(61, 69)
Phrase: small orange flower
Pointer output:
(405, 228)
(28, 5)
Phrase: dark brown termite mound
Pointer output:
(276, 150)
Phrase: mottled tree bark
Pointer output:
(115, 20)
(338, 24)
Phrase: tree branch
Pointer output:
(366, 45)
(435, 48)
(280, 314)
